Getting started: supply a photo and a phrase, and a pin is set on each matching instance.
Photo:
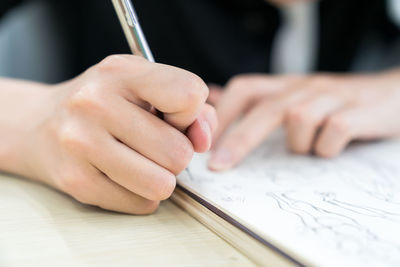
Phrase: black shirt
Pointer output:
(215, 39)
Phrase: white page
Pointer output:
(339, 212)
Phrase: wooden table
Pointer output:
(42, 227)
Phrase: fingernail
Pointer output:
(206, 128)
(220, 160)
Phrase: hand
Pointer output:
(321, 113)
(96, 139)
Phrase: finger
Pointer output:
(111, 196)
(245, 136)
(200, 132)
(133, 171)
(258, 123)
(338, 130)
(150, 136)
(229, 107)
(355, 122)
(232, 103)
(177, 93)
(242, 93)
(304, 119)
(215, 94)
(94, 188)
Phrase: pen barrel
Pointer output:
(132, 29)
(140, 48)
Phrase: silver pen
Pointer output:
(134, 35)
(132, 29)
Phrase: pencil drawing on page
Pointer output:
(330, 211)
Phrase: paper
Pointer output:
(339, 212)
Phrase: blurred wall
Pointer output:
(31, 44)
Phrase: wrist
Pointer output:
(22, 107)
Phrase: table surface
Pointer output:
(43, 227)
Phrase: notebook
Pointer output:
(282, 209)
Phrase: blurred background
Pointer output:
(51, 41)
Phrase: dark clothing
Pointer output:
(216, 39)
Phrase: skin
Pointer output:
(321, 113)
(99, 138)
(96, 137)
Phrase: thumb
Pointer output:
(201, 130)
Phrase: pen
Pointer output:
(134, 34)
(132, 29)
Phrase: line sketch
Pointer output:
(344, 211)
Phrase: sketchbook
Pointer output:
(283, 209)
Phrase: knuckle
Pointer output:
(110, 64)
(115, 64)
(181, 154)
(72, 140)
(338, 124)
(87, 98)
(195, 91)
(298, 114)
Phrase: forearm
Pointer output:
(20, 103)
